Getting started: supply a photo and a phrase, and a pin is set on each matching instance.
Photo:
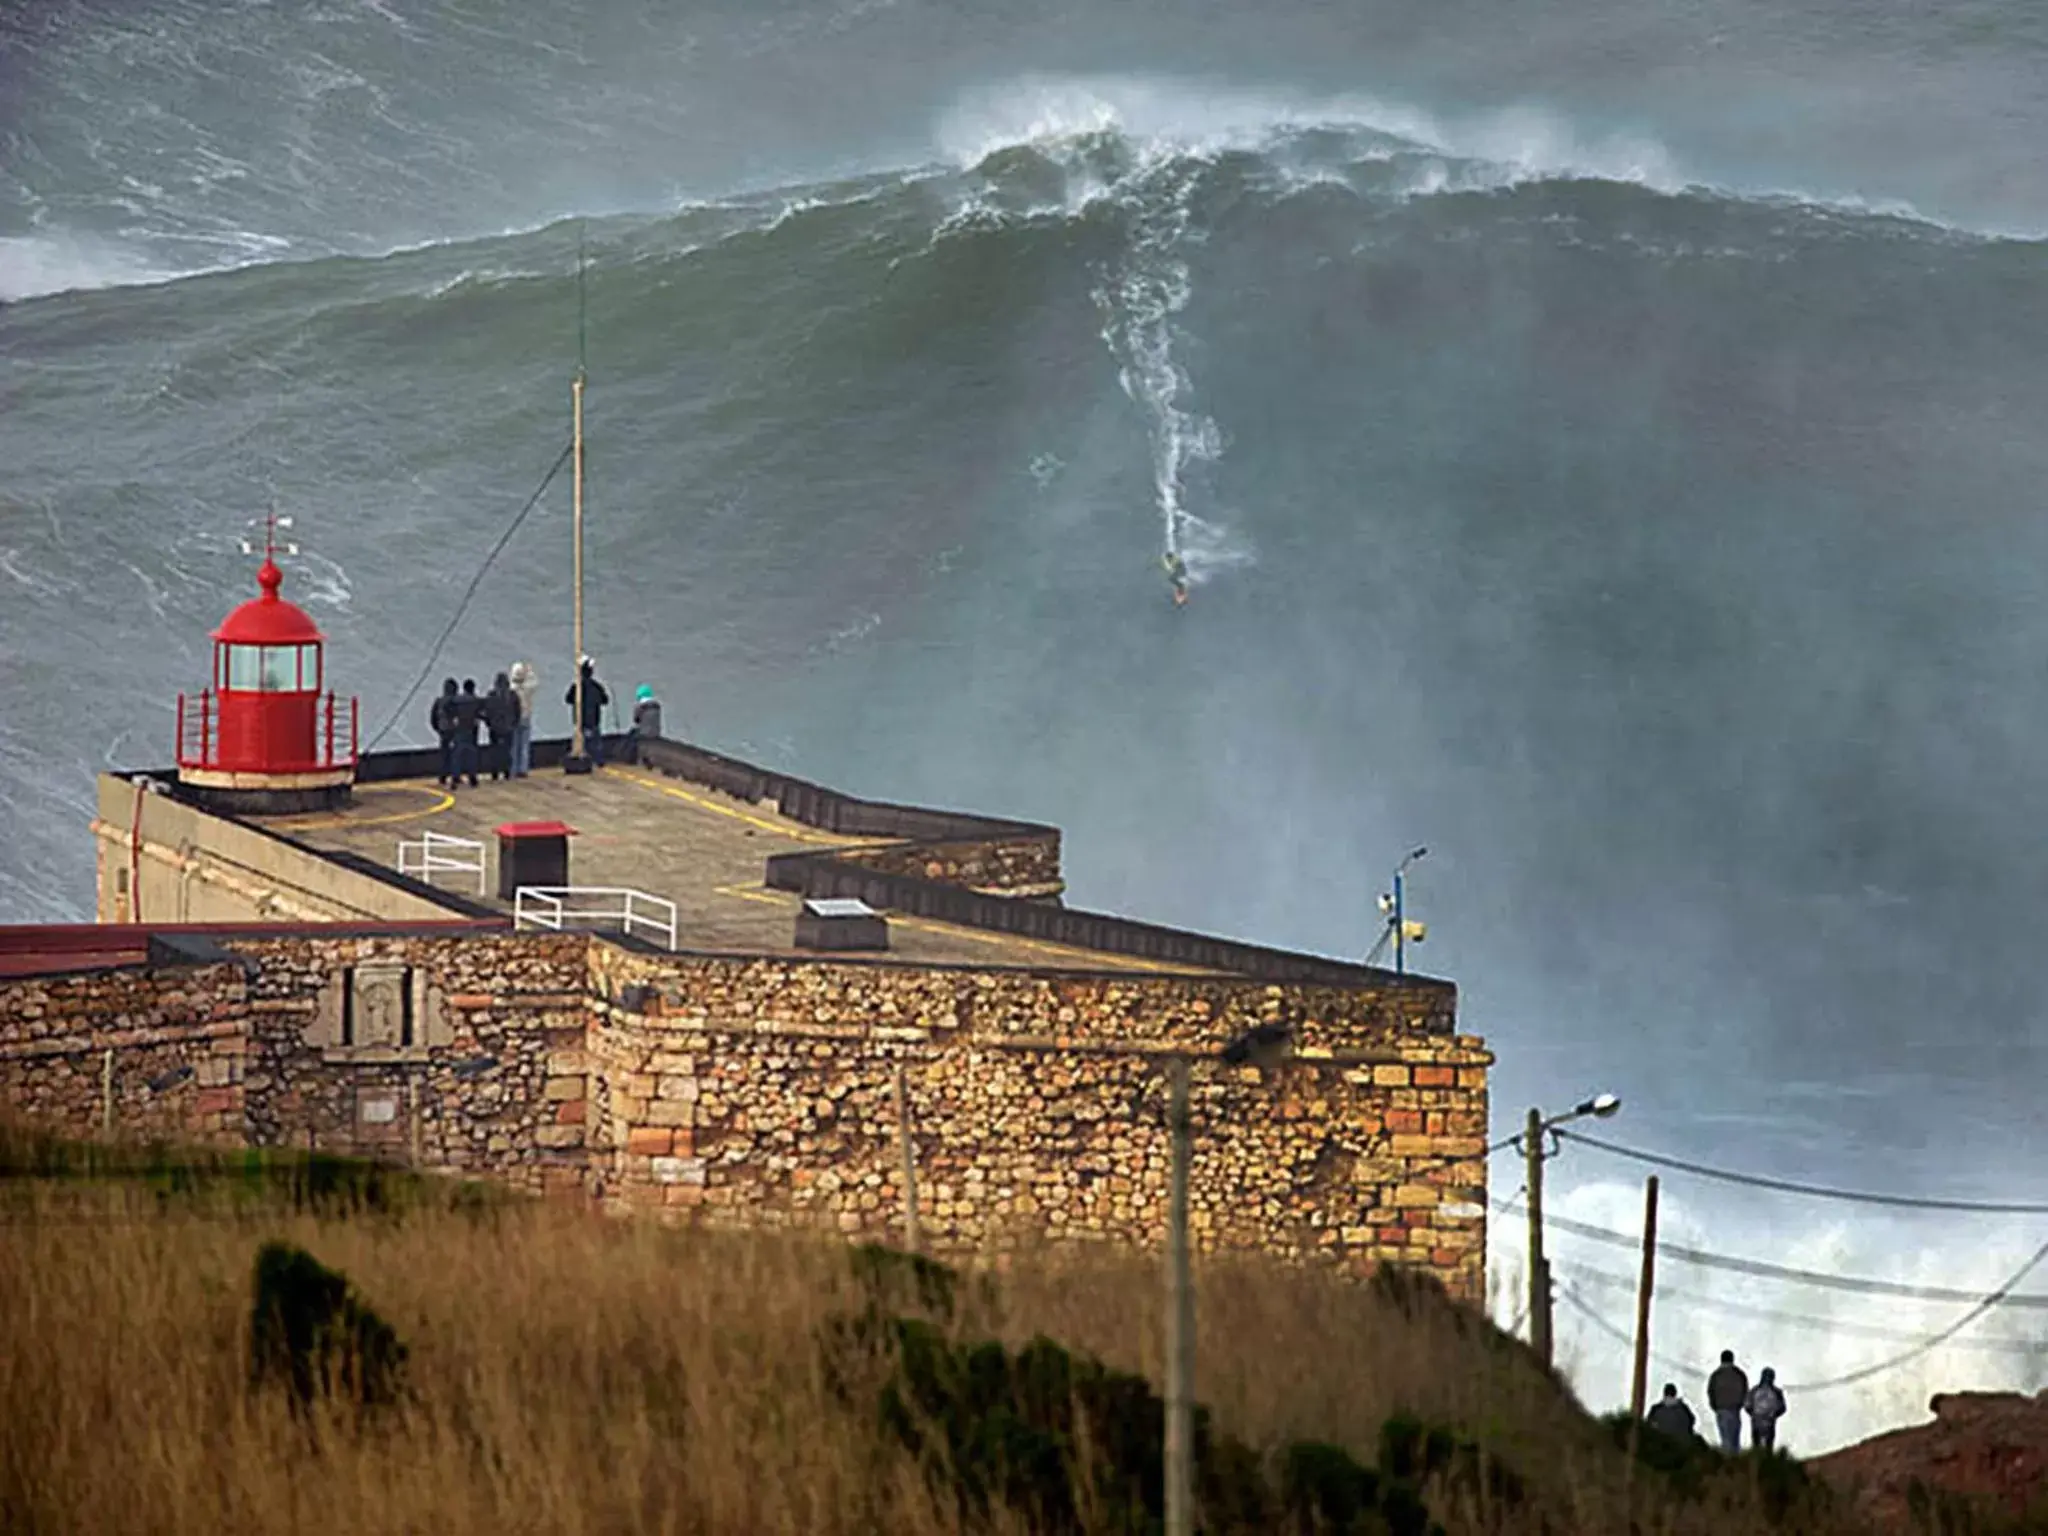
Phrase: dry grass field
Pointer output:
(569, 1374)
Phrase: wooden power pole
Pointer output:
(1639, 1384)
(1539, 1267)
(909, 1156)
(1180, 1317)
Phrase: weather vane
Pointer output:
(271, 548)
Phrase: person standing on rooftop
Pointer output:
(468, 711)
(442, 718)
(501, 719)
(525, 684)
(595, 698)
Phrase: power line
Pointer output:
(1925, 1346)
(1634, 1242)
(1575, 1300)
(470, 592)
(2005, 1343)
(1758, 1181)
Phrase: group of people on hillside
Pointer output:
(504, 718)
(1730, 1396)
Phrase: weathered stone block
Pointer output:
(677, 1170)
(565, 1088)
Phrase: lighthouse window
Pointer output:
(272, 668)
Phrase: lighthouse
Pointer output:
(267, 736)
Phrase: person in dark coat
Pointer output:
(501, 719)
(1671, 1416)
(442, 718)
(1727, 1392)
(594, 701)
(1766, 1406)
(469, 717)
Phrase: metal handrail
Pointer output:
(327, 726)
(419, 856)
(548, 906)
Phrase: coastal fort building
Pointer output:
(691, 986)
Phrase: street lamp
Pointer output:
(1394, 908)
(1601, 1106)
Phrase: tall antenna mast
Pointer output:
(579, 756)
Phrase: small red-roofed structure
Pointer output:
(265, 737)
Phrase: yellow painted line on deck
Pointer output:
(1098, 959)
(795, 834)
(441, 798)
(743, 893)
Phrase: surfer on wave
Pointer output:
(1177, 573)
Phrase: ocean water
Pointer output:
(1606, 450)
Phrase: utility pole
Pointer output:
(1539, 1267)
(1180, 1317)
(107, 1091)
(1639, 1384)
(909, 1157)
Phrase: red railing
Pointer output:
(275, 732)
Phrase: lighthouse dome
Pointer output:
(269, 619)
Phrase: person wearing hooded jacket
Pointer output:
(595, 698)
(525, 684)
(442, 718)
(467, 708)
(1766, 1406)
(501, 718)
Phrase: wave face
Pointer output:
(1663, 556)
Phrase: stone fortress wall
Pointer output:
(329, 1002)
(738, 1090)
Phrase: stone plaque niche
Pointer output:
(379, 1011)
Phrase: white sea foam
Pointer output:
(1193, 117)
(35, 265)
(1509, 145)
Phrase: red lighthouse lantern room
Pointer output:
(265, 737)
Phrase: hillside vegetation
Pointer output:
(566, 1373)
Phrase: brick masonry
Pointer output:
(762, 1091)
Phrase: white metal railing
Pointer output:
(557, 906)
(432, 851)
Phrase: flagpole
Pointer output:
(579, 749)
